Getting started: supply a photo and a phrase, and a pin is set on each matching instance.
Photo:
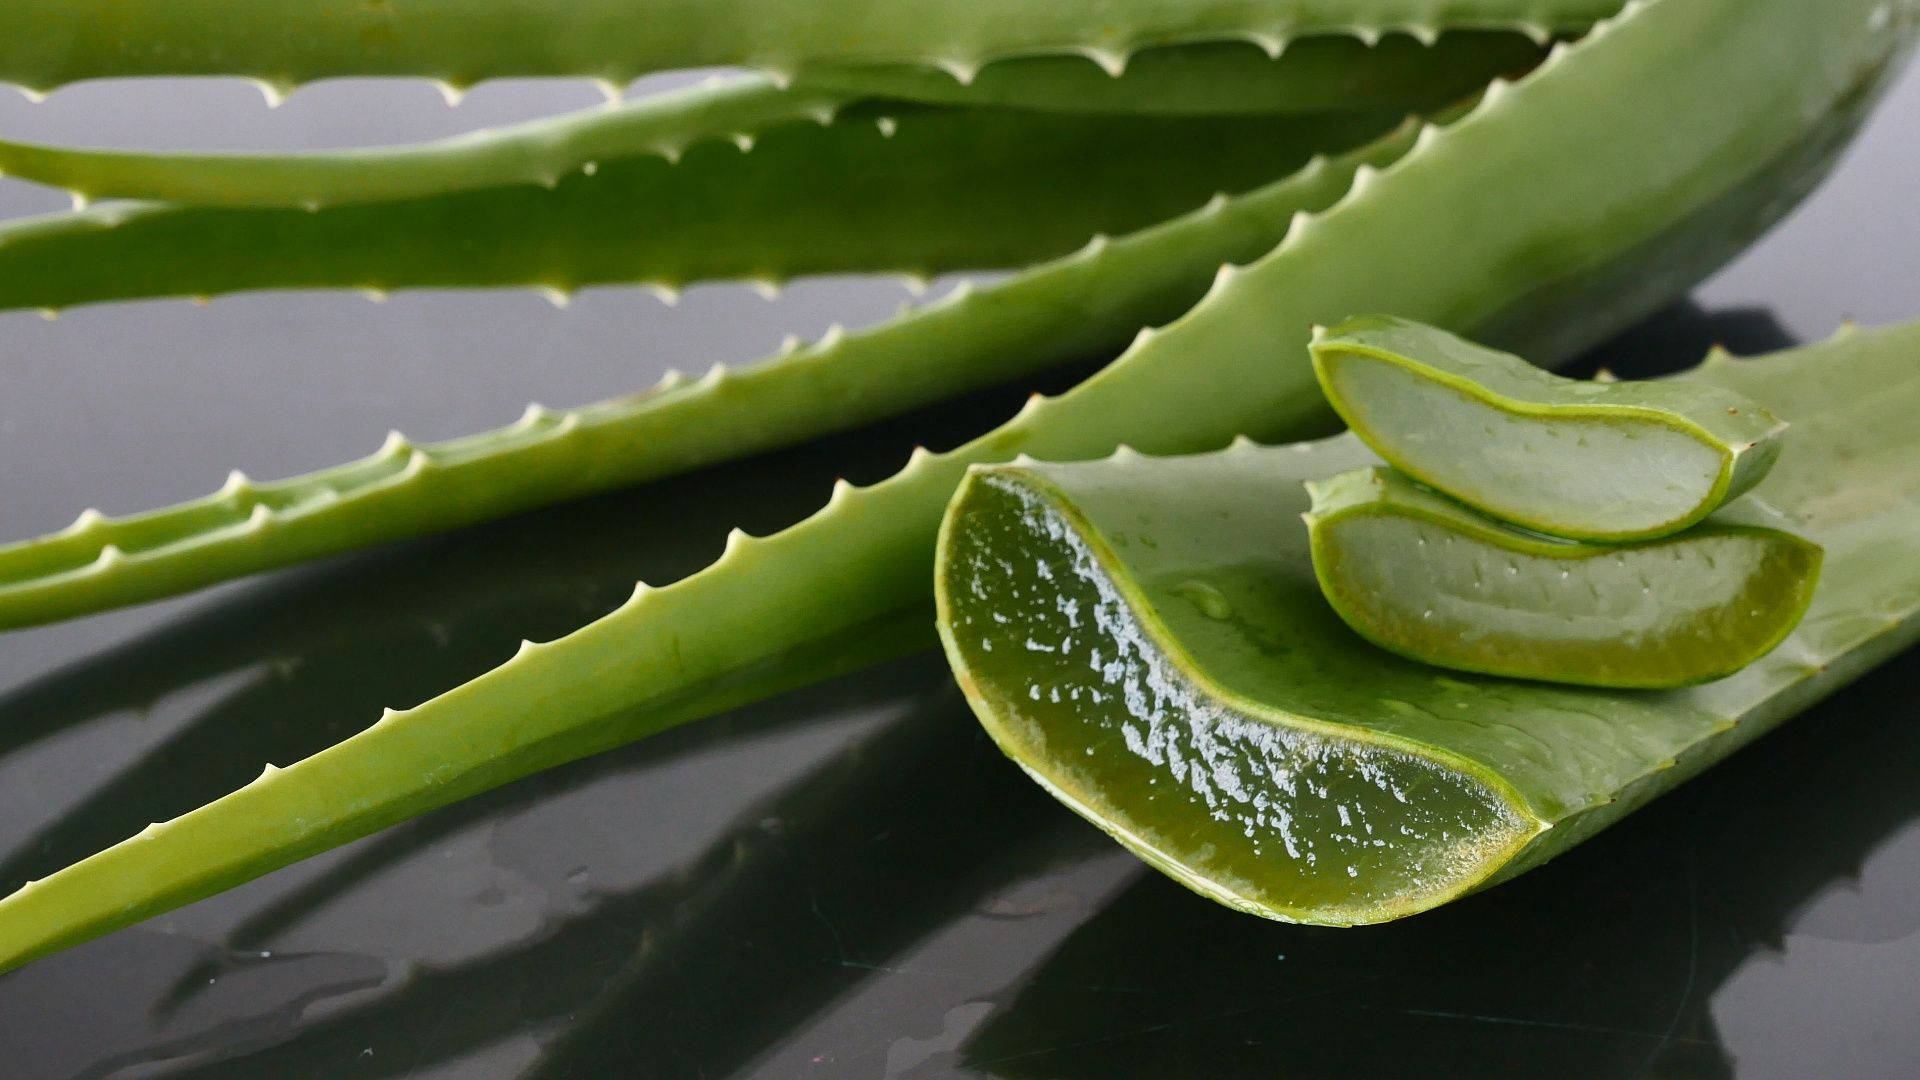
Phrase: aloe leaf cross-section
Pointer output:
(1147, 639)
(1567, 457)
(1421, 575)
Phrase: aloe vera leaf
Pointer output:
(936, 190)
(47, 43)
(1423, 576)
(537, 152)
(1669, 95)
(1566, 457)
(1319, 75)
(1086, 303)
(1148, 640)
(1322, 73)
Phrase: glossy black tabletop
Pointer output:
(847, 881)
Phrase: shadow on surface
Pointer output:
(698, 972)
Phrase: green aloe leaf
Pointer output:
(539, 152)
(1083, 305)
(1566, 457)
(1327, 72)
(1703, 145)
(1426, 577)
(1334, 74)
(931, 191)
(1147, 639)
(46, 43)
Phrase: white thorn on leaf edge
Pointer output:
(88, 520)
(1112, 61)
(274, 93)
(963, 71)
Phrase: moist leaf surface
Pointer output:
(1147, 638)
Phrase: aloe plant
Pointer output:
(1147, 638)
(1710, 116)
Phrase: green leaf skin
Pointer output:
(1087, 303)
(1585, 460)
(539, 152)
(1687, 102)
(1425, 577)
(1147, 639)
(935, 190)
(47, 43)
(1314, 74)
(1319, 75)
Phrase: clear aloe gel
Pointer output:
(1566, 457)
(1425, 577)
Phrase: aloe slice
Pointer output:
(1567, 457)
(1430, 579)
(1147, 638)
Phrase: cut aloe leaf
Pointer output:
(1567, 457)
(1430, 579)
(1147, 638)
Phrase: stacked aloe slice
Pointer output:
(1150, 638)
(1540, 527)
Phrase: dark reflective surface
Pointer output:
(846, 882)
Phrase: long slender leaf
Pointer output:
(45, 43)
(933, 190)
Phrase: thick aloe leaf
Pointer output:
(1318, 75)
(1670, 97)
(45, 43)
(1147, 639)
(1425, 577)
(1328, 72)
(1085, 304)
(539, 152)
(1565, 457)
(931, 191)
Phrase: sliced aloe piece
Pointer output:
(1567, 457)
(1430, 579)
(1147, 638)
